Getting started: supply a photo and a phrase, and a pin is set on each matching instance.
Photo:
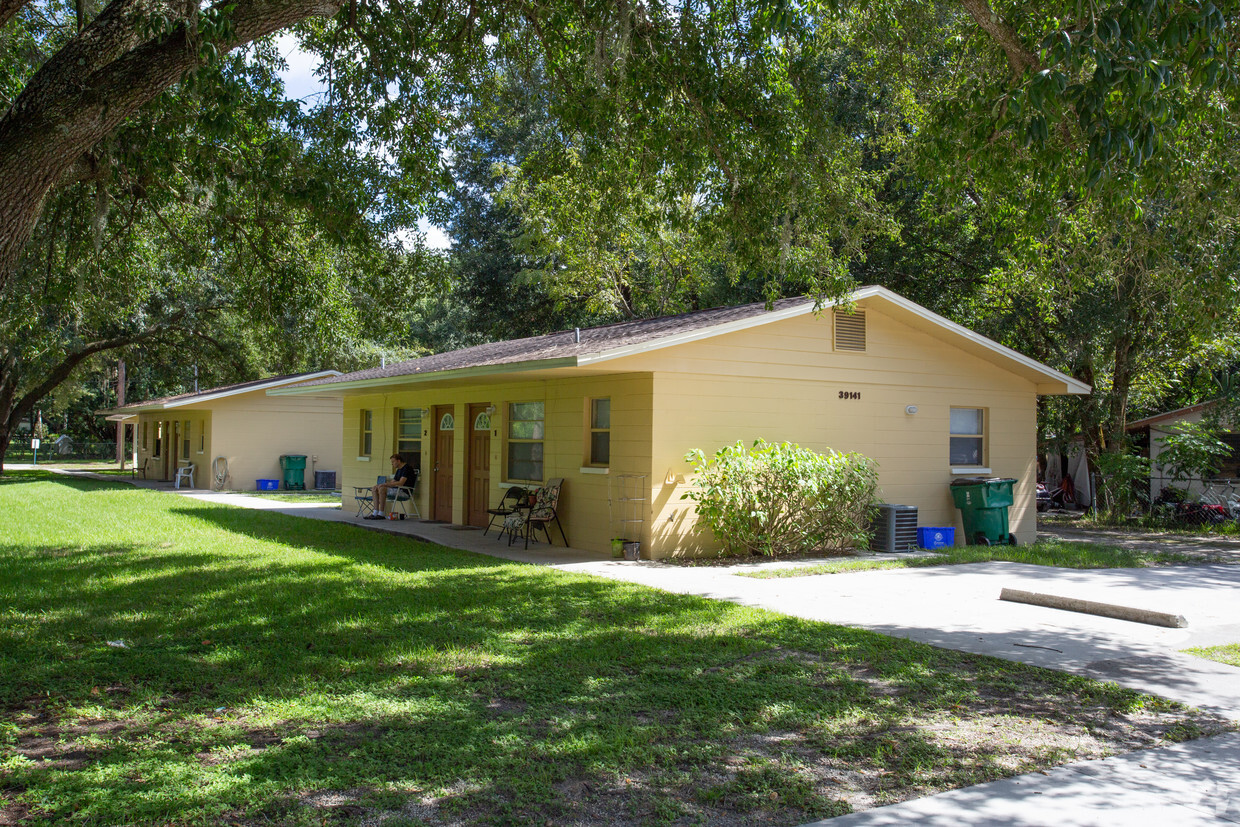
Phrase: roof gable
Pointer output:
(591, 346)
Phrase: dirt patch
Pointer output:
(1201, 549)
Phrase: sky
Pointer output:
(300, 83)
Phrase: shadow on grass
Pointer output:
(263, 656)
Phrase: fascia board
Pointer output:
(211, 397)
(435, 376)
(1073, 386)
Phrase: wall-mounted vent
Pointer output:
(850, 331)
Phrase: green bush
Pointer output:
(1119, 476)
(781, 499)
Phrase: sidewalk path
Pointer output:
(957, 607)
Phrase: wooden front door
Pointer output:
(479, 464)
(445, 427)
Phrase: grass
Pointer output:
(171, 661)
(1228, 653)
(1059, 553)
(289, 497)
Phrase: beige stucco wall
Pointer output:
(251, 431)
(584, 505)
(779, 381)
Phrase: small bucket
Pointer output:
(632, 551)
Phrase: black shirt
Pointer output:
(404, 475)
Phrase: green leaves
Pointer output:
(782, 499)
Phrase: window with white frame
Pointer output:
(968, 437)
(525, 441)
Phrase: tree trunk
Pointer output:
(120, 403)
(91, 86)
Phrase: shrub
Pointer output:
(1120, 476)
(779, 499)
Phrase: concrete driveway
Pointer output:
(958, 607)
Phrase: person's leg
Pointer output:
(380, 498)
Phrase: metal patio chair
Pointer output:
(508, 505)
(365, 497)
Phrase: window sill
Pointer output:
(971, 469)
(363, 459)
(595, 469)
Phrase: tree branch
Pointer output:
(1020, 58)
(68, 107)
(9, 10)
(61, 371)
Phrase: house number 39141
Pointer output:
(850, 394)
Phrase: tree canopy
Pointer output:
(1075, 160)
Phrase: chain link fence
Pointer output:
(64, 449)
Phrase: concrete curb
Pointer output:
(1073, 604)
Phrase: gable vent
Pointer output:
(850, 331)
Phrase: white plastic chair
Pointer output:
(185, 474)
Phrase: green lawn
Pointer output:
(170, 661)
(294, 497)
(1228, 653)
(1058, 553)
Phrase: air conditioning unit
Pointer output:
(895, 528)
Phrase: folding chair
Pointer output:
(185, 474)
(512, 498)
(365, 497)
(404, 496)
(543, 514)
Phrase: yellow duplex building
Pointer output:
(234, 435)
(613, 409)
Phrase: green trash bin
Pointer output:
(983, 505)
(294, 466)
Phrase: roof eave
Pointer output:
(1059, 384)
(431, 376)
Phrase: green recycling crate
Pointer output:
(983, 505)
(294, 466)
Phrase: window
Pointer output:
(185, 439)
(409, 435)
(525, 436)
(367, 433)
(600, 432)
(145, 428)
(202, 435)
(159, 439)
(968, 436)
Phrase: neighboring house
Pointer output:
(1149, 432)
(236, 432)
(929, 400)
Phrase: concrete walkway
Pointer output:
(957, 607)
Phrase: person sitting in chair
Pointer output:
(402, 474)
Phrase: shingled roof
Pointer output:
(569, 344)
(182, 399)
(593, 345)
